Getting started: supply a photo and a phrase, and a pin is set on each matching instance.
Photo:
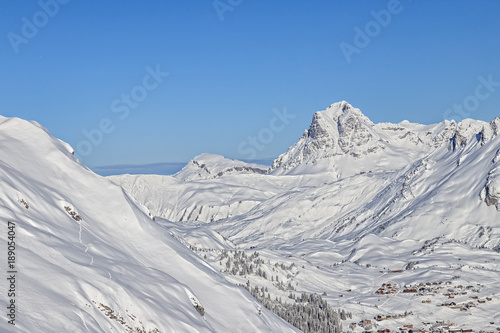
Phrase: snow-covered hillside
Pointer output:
(89, 258)
(194, 195)
(346, 177)
(354, 205)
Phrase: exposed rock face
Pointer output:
(495, 125)
(338, 130)
(342, 132)
(344, 178)
(491, 191)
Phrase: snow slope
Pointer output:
(208, 200)
(346, 177)
(446, 193)
(90, 258)
(351, 202)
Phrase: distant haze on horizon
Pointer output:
(166, 168)
(128, 83)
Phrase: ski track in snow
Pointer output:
(85, 245)
(83, 320)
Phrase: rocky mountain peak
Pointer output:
(343, 129)
(338, 130)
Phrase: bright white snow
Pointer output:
(355, 205)
(91, 259)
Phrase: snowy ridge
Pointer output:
(391, 203)
(209, 166)
(356, 205)
(342, 140)
(93, 259)
(373, 161)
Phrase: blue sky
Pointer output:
(233, 65)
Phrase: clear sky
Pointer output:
(233, 65)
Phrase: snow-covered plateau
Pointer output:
(395, 225)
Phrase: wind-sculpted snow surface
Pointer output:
(438, 194)
(201, 200)
(89, 258)
(491, 192)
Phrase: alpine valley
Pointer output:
(397, 225)
(358, 227)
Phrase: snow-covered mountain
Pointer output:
(342, 140)
(350, 202)
(210, 166)
(89, 258)
(344, 168)
(188, 195)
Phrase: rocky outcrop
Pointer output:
(491, 191)
(338, 130)
(342, 132)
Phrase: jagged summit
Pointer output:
(338, 109)
(340, 130)
(343, 141)
(345, 128)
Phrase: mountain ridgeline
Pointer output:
(377, 218)
(344, 178)
(87, 257)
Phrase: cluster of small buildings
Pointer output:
(381, 317)
(364, 323)
(460, 290)
(423, 288)
(438, 327)
(387, 288)
(467, 305)
(446, 289)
